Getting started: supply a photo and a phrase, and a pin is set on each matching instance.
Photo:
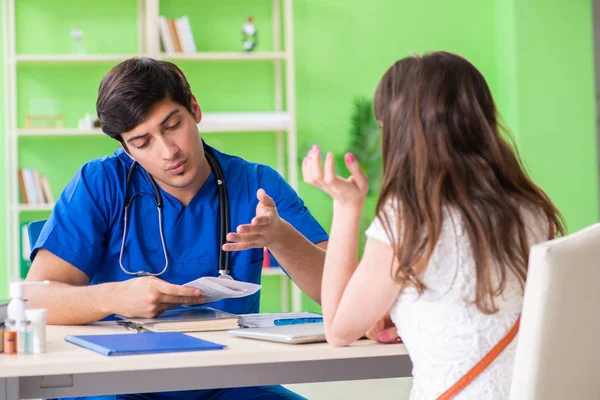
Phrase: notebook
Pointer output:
(293, 334)
(143, 343)
(265, 320)
(185, 319)
(3, 309)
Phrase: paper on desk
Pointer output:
(214, 289)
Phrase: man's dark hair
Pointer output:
(130, 89)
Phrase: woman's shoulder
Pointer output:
(386, 218)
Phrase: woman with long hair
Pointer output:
(446, 255)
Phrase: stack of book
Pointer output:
(35, 189)
(183, 319)
(176, 35)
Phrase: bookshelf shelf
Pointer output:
(37, 207)
(224, 56)
(211, 123)
(114, 58)
(72, 58)
(273, 271)
(58, 132)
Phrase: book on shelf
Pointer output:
(25, 262)
(34, 187)
(176, 35)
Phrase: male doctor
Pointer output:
(119, 245)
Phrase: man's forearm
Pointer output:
(301, 259)
(71, 305)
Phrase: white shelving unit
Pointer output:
(211, 123)
(200, 56)
(32, 207)
(70, 58)
(220, 56)
(279, 121)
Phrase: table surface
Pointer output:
(62, 357)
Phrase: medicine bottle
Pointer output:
(37, 316)
(24, 334)
(10, 337)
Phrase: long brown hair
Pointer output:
(442, 147)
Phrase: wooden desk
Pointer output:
(68, 370)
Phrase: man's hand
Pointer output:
(261, 231)
(148, 297)
(384, 331)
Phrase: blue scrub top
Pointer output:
(86, 225)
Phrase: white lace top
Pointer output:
(444, 333)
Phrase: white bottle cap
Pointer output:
(16, 290)
(36, 315)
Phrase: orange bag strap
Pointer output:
(482, 364)
(489, 357)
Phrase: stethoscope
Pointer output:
(224, 268)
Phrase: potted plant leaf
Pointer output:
(365, 144)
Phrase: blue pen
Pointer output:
(297, 321)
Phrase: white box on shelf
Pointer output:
(244, 122)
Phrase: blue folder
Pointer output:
(142, 343)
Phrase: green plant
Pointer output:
(365, 142)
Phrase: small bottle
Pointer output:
(10, 337)
(24, 334)
(37, 316)
(16, 308)
(2, 337)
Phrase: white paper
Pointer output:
(214, 289)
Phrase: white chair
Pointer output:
(558, 350)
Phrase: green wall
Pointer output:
(342, 49)
(555, 95)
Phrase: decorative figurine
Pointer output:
(78, 46)
(249, 35)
